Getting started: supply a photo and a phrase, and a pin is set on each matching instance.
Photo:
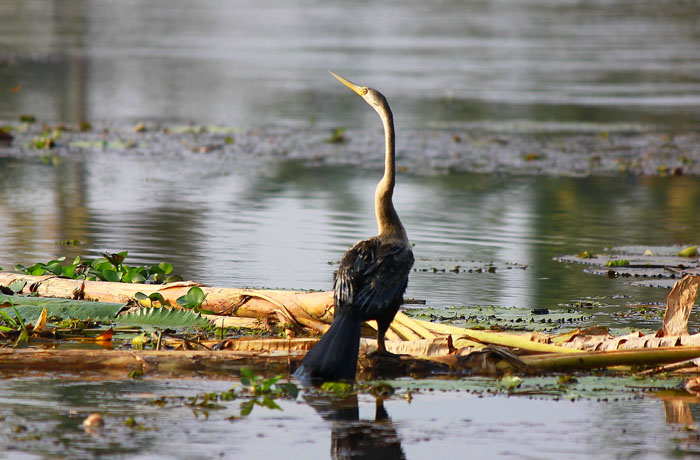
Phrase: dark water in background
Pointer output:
(440, 63)
(533, 66)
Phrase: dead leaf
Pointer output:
(440, 346)
(93, 420)
(494, 360)
(105, 337)
(40, 322)
(679, 303)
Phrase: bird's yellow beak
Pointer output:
(361, 90)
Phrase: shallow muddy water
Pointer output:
(525, 130)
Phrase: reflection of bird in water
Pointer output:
(352, 438)
(372, 276)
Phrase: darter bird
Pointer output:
(373, 273)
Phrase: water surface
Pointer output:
(607, 93)
(443, 63)
(284, 225)
(433, 423)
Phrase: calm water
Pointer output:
(549, 69)
(284, 225)
(438, 423)
(440, 63)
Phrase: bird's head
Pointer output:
(371, 96)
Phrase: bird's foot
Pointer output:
(382, 354)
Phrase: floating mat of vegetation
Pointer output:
(561, 387)
(30, 308)
(464, 266)
(511, 318)
(657, 267)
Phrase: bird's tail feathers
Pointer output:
(334, 357)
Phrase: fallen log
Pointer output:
(600, 359)
(224, 363)
(309, 309)
(147, 361)
(315, 309)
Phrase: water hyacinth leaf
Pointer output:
(288, 389)
(37, 269)
(116, 259)
(55, 267)
(17, 285)
(267, 384)
(101, 264)
(111, 275)
(69, 271)
(269, 403)
(174, 279)
(166, 268)
(134, 275)
(142, 299)
(157, 296)
(164, 317)
(247, 377)
(193, 299)
(247, 407)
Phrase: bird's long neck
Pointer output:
(390, 227)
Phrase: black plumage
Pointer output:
(369, 285)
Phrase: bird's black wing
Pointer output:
(372, 276)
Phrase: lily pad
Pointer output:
(562, 387)
(464, 266)
(511, 318)
(636, 262)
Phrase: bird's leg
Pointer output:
(381, 346)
